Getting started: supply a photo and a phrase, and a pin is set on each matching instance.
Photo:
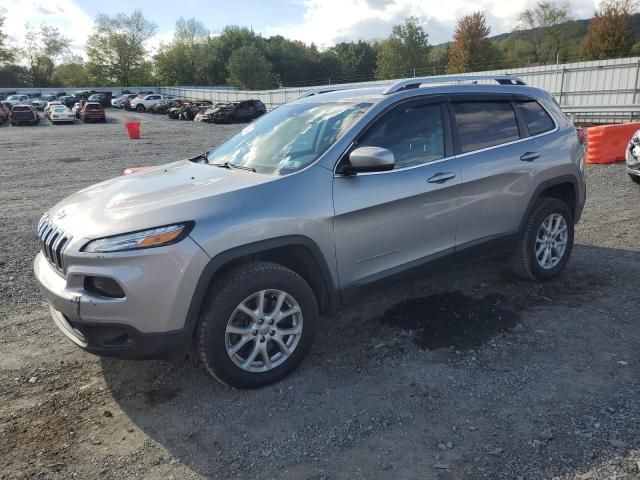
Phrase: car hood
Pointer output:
(161, 195)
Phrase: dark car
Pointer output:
(244, 111)
(4, 113)
(103, 98)
(24, 115)
(68, 100)
(92, 112)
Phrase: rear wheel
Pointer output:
(546, 241)
(140, 108)
(257, 325)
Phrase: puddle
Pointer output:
(452, 319)
(160, 395)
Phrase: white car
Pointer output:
(141, 104)
(16, 99)
(50, 105)
(61, 114)
(76, 109)
(117, 102)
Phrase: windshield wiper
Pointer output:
(202, 156)
(231, 166)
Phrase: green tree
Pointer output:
(71, 73)
(6, 54)
(356, 59)
(44, 46)
(115, 50)
(471, 48)
(249, 69)
(550, 27)
(179, 62)
(609, 33)
(406, 49)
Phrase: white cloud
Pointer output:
(72, 21)
(328, 21)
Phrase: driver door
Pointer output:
(386, 222)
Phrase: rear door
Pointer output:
(497, 161)
(388, 221)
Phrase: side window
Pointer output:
(415, 134)
(485, 124)
(537, 119)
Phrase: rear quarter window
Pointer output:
(537, 119)
(485, 124)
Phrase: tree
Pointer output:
(551, 29)
(471, 47)
(71, 73)
(115, 50)
(43, 47)
(406, 49)
(609, 33)
(249, 69)
(356, 59)
(179, 62)
(6, 54)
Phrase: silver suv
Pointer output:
(239, 250)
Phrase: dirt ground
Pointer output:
(469, 374)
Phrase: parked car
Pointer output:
(244, 111)
(61, 114)
(208, 114)
(23, 115)
(103, 98)
(117, 102)
(49, 106)
(4, 113)
(92, 112)
(17, 99)
(77, 107)
(68, 100)
(40, 102)
(141, 104)
(632, 158)
(363, 186)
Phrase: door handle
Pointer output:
(529, 156)
(441, 177)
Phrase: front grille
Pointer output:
(53, 241)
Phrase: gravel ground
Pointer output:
(470, 374)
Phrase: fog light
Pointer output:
(103, 286)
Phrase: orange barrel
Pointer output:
(133, 129)
(608, 143)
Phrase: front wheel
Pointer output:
(635, 178)
(257, 325)
(140, 108)
(546, 241)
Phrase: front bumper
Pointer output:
(148, 322)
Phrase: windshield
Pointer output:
(14, 97)
(289, 138)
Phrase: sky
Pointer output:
(323, 22)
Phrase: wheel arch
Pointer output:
(296, 252)
(563, 188)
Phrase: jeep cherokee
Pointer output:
(240, 249)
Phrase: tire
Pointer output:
(242, 286)
(140, 108)
(635, 178)
(525, 262)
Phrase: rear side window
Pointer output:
(537, 119)
(485, 124)
(415, 134)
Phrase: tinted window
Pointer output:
(414, 134)
(485, 124)
(537, 119)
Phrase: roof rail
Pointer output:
(416, 82)
(320, 90)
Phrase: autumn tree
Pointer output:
(406, 49)
(609, 32)
(551, 29)
(471, 46)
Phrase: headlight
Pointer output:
(154, 237)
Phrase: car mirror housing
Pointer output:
(369, 159)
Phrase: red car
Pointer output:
(4, 113)
(92, 112)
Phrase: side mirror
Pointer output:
(369, 159)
